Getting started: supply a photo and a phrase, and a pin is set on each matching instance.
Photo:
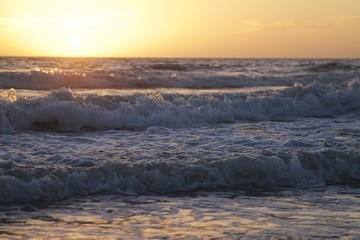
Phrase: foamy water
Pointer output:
(205, 148)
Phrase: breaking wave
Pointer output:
(65, 110)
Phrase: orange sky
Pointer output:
(181, 28)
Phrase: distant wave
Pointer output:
(36, 80)
(100, 73)
(332, 66)
(64, 110)
(47, 80)
(169, 66)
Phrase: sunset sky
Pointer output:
(181, 28)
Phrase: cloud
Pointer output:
(346, 21)
(245, 26)
(249, 26)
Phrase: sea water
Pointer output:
(96, 148)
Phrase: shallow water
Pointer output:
(330, 212)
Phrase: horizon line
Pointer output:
(119, 57)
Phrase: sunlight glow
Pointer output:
(74, 41)
(187, 28)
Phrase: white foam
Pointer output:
(64, 110)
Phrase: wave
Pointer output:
(333, 66)
(278, 169)
(169, 75)
(169, 67)
(66, 111)
(39, 80)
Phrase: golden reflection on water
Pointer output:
(202, 217)
(8, 95)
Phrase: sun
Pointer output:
(74, 40)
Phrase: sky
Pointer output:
(181, 28)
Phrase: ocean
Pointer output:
(121, 148)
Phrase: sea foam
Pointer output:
(65, 110)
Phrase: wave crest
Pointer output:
(333, 66)
(301, 169)
(64, 110)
